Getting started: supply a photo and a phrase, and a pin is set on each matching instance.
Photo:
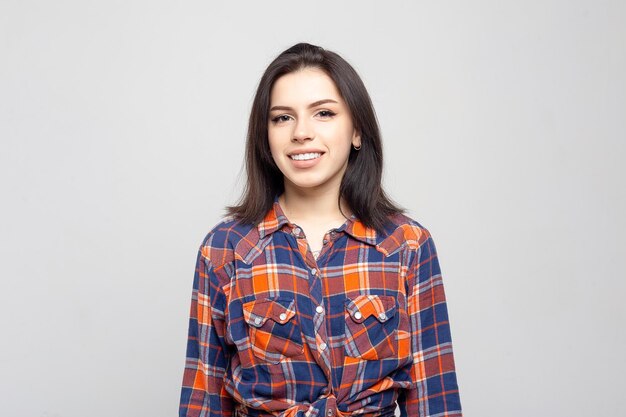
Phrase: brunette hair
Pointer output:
(361, 186)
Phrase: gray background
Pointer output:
(122, 129)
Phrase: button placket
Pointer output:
(319, 340)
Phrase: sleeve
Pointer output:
(203, 393)
(434, 391)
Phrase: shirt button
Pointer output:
(319, 309)
(329, 413)
(296, 231)
(314, 271)
(333, 234)
(323, 346)
(282, 316)
(325, 241)
(358, 315)
(382, 316)
(324, 391)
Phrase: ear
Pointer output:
(356, 138)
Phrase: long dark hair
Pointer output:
(361, 186)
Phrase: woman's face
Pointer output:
(310, 130)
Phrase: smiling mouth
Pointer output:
(305, 156)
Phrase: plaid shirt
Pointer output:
(357, 331)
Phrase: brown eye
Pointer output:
(281, 118)
(326, 113)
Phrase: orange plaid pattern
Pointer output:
(360, 330)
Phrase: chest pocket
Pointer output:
(273, 329)
(375, 328)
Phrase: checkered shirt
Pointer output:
(360, 330)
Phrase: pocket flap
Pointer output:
(257, 312)
(383, 307)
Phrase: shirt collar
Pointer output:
(275, 220)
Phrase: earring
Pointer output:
(355, 148)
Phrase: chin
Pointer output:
(311, 184)
(306, 183)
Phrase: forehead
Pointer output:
(302, 87)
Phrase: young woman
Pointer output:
(317, 296)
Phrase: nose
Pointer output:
(302, 131)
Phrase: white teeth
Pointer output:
(305, 156)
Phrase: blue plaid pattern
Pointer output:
(358, 331)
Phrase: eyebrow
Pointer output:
(314, 104)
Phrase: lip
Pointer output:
(301, 151)
(307, 163)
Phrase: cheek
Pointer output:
(273, 144)
(344, 141)
(277, 152)
(340, 135)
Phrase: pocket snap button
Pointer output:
(358, 315)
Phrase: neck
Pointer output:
(312, 205)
